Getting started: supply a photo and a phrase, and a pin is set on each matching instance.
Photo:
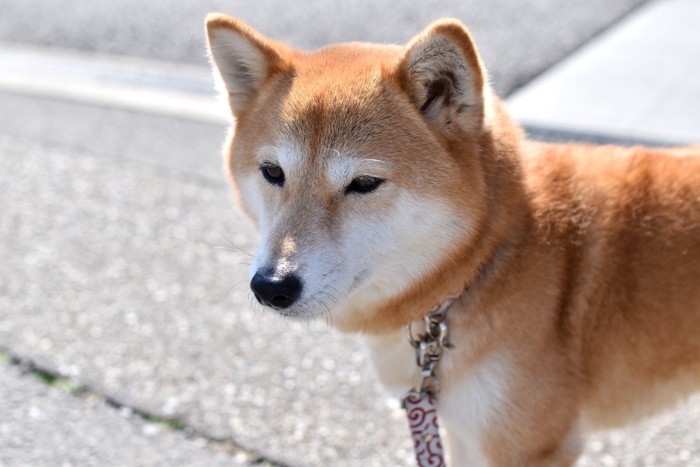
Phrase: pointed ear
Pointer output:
(244, 58)
(442, 73)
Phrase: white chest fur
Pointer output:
(469, 405)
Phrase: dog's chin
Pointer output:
(300, 312)
(291, 313)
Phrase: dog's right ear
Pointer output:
(244, 58)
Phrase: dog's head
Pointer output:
(360, 165)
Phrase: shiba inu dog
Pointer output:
(385, 179)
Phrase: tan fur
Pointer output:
(580, 265)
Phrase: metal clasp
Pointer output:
(429, 346)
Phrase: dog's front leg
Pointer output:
(461, 450)
(502, 414)
(465, 451)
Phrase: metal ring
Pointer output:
(411, 339)
(429, 383)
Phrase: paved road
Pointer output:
(517, 39)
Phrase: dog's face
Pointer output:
(345, 159)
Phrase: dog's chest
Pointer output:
(466, 407)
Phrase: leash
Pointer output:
(420, 402)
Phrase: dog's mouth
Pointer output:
(288, 313)
(306, 308)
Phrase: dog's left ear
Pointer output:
(442, 73)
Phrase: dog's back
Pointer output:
(627, 223)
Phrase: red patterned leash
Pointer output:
(420, 403)
(423, 421)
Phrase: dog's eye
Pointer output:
(272, 173)
(363, 184)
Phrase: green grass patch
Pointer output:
(164, 422)
(67, 385)
(45, 378)
(63, 384)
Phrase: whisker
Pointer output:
(334, 268)
(230, 289)
(327, 313)
(233, 245)
(255, 307)
(328, 316)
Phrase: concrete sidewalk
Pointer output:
(636, 81)
(124, 272)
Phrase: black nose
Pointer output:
(276, 290)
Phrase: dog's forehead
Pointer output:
(338, 94)
(333, 130)
(340, 116)
(335, 115)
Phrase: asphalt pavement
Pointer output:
(46, 425)
(127, 331)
